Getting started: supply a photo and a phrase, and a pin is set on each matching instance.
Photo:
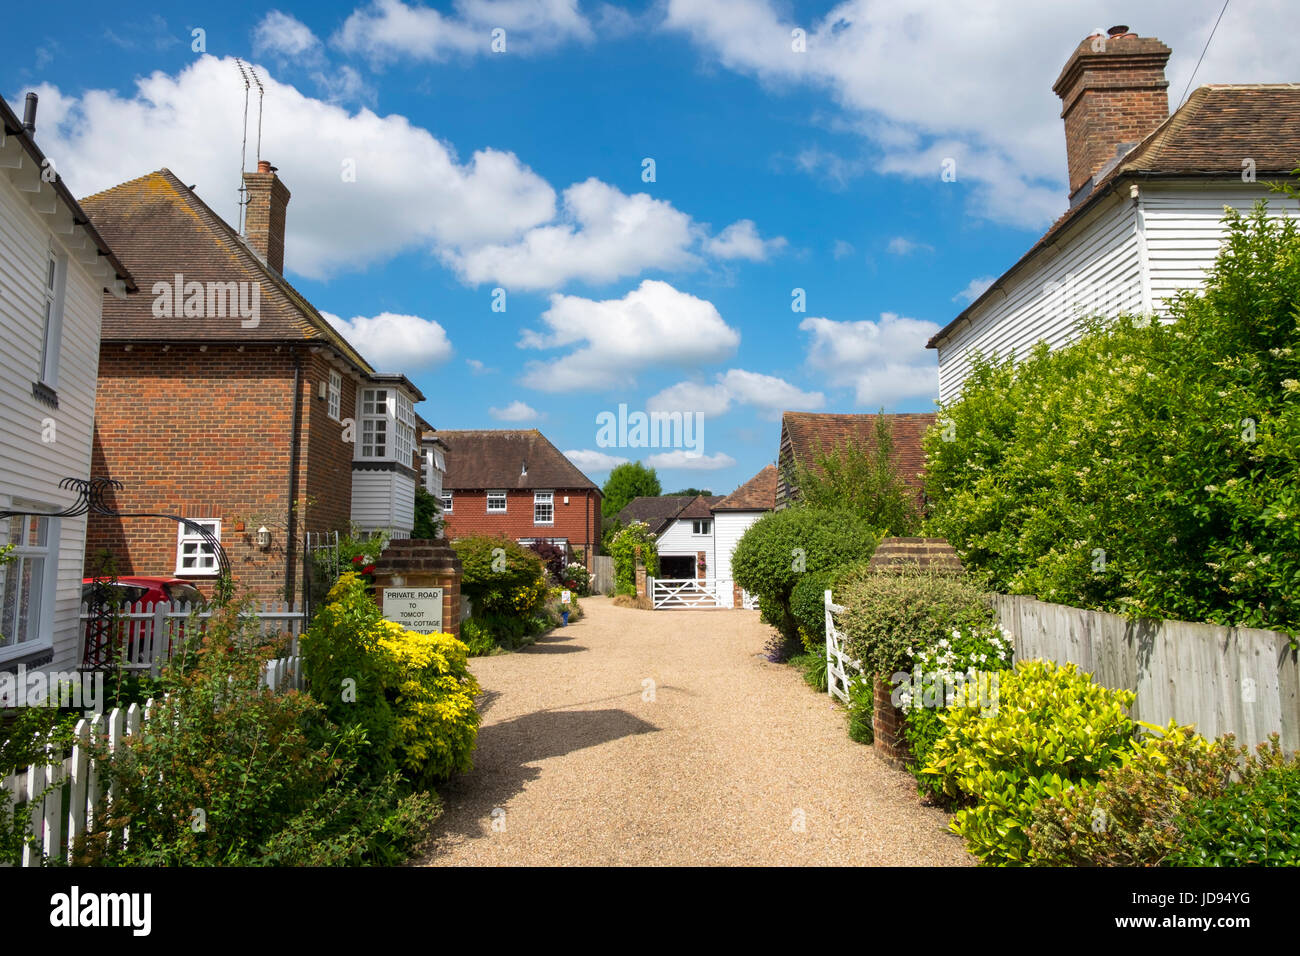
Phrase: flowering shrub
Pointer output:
(957, 671)
(411, 693)
(577, 579)
(1149, 468)
(623, 545)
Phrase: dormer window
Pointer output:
(387, 425)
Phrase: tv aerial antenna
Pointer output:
(250, 78)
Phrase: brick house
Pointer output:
(225, 397)
(804, 435)
(1147, 194)
(516, 484)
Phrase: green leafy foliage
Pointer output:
(494, 570)
(862, 705)
(862, 479)
(886, 615)
(1130, 817)
(778, 549)
(1252, 822)
(623, 547)
(24, 731)
(813, 666)
(428, 524)
(625, 482)
(1149, 468)
(228, 772)
(1052, 727)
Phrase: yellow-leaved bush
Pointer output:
(412, 693)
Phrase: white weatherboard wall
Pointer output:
(384, 500)
(1126, 255)
(678, 538)
(31, 468)
(728, 528)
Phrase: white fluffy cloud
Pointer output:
(588, 460)
(974, 289)
(902, 246)
(390, 30)
(285, 35)
(617, 338)
(516, 411)
(690, 460)
(410, 189)
(884, 362)
(769, 394)
(979, 71)
(604, 234)
(741, 240)
(392, 342)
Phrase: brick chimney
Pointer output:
(264, 216)
(1113, 93)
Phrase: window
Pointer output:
(446, 502)
(702, 526)
(374, 423)
(26, 581)
(496, 502)
(193, 554)
(387, 425)
(544, 507)
(56, 269)
(335, 395)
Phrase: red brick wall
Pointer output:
(201, 435)
(578, 521)
(327, 476)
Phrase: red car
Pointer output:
(135, 637)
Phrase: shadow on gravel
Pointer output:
(500, 763)
(551, 648)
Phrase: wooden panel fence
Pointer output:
(1242, 681)
(60, 798)
(602, 574)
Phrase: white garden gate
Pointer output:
(840, 668)
(689, 593)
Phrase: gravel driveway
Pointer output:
(663, 738)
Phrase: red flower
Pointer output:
(368, 569)
(356, 559)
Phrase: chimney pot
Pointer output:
(1118, 31)
(263, 166)
(29, 114)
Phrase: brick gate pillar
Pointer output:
(422, 563)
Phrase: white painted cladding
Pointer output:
(384, 500)
(678, 538)
(728, 528)
(1127, 255)
(31, 468)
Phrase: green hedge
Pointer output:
(1148, 468)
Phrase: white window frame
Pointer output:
(54, 294)
(448, 499)
(697, 529)
(40, 630)
(391, 419)
(184, 536)
(334, 395)
(496, 494)
(546, 498)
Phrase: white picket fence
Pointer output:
(75, 775)
(689, 593)
(840, 668)
(148, 634)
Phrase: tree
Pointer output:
(427, 522)
(860, 479)
(625, 482)
(693, 492)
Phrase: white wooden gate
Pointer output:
(689, 592)
(840, 668)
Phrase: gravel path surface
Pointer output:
(576, 766)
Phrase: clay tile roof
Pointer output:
(701, 506)
(495, 458)
(757, 494)
(1208, 136)
(658, 512)
(809, 431)
(161, 228)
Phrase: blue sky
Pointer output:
(775, 169)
